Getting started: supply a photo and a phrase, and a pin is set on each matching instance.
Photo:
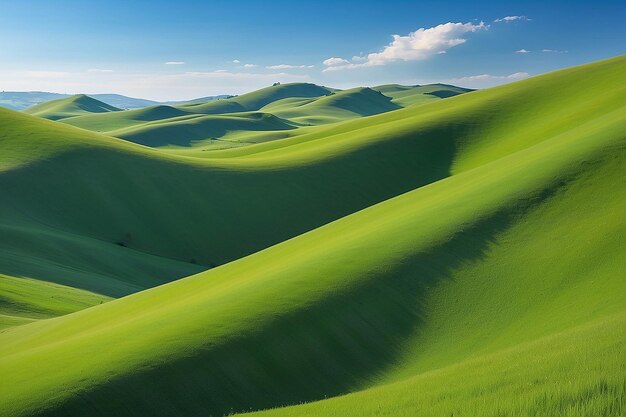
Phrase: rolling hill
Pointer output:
(296, 104)
(460, 257)
(69, 107)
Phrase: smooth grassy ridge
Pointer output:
(23, 300)
(505, 258)
(70, 107)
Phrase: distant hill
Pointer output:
(20, 100)
(275, 112)
(343, 105)
(257, 99)
(406, 95)
(69, 107)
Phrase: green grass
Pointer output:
(461, 257)
(26, 299)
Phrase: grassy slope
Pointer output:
(23, 300)
(302, 320)
(70, 107)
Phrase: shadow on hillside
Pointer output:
(444, 93)
(336, 346)
(186, 133)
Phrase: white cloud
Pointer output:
(286, 66)
(99, 70)
(488, 80)
(236, 61)
(250, 65)
(175, 63)
(555, 51)
(507, 19)
(418, 45)
(335, 62)
(522, 51)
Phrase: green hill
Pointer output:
(404, 95)
(298, 104)
(70, 107)
(343, 105)
(460, 257)
(187, 130)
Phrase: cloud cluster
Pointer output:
(489, 77)
(487, 80)
(418, 45)
(175, 63)
(286, 66)
(554, 51)
(507, 19)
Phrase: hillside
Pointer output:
(69, 107)
(474, 239)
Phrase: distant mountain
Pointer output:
(20, 100)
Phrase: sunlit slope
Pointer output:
(577, 372)
(23, 300)
(70, 107)
(521, 248)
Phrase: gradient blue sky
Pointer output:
(170, 50)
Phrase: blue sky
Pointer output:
(183, 49)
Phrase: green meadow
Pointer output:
(307, 251)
